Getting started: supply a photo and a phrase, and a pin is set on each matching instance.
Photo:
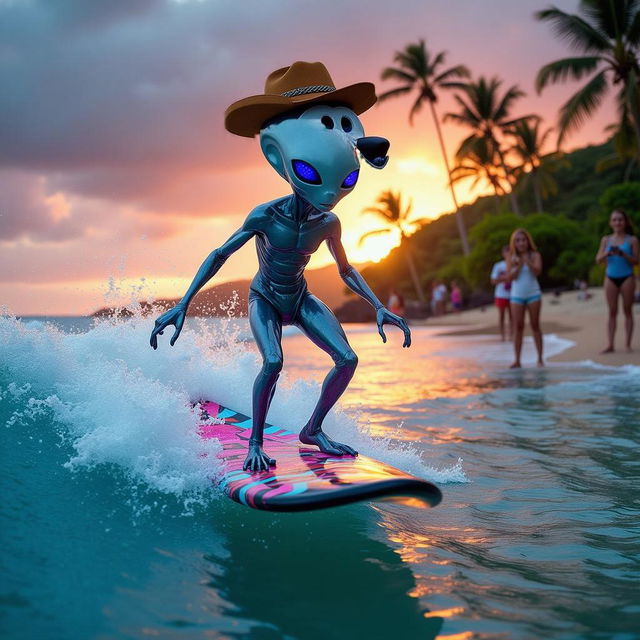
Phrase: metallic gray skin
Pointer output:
(287, 231)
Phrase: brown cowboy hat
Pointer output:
(303, 83)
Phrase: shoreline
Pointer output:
(581, 321)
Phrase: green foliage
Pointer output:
(596, 275)
(455, 269)
(567, 251)
(567, 234)
(624, 196)
(488, 237)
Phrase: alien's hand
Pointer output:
(384, 316)
(175, 317)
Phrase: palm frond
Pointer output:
(392, 93)
(567, 68)
(531, 117)
(501, 111)
(391, 73)
(470, 113)
(369, 234)
(578, 33)
(633, 32)
(581, 105)
(438, 59)
(611, 18)
(420, 221)
(459, 71)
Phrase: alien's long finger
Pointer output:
(153, 340)
(176, 333)
(348, 450)
(381, 332)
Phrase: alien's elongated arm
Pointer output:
(214, 262)
(351, 277)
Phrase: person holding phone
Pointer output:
(620, 251)
(524, 265)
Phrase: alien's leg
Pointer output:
(319, 324)
(266, 326)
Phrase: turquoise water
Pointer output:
(111, 528)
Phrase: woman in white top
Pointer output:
(524, 265)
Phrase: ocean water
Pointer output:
(111, 526)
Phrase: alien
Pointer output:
(310, 134)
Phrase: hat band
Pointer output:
(300, 91)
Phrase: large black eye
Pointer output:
(327, 121)
(346, 123)
(306, 172)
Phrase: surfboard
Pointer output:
(304, 477)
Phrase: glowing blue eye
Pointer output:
(306, 172)
(351, 179)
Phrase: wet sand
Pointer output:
(583, 322)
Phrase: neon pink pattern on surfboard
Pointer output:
(304, 477)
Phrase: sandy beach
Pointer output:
(583, 322)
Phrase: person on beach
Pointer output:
(456, 297)
(395, 304)
(524, 265)
(502, 293)
(620, 251)
(438, 298)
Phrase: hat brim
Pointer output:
(246, 117)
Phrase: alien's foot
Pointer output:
(326, 444)
(257, 459)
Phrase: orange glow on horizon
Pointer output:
(444, 613)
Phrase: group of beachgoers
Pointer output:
(517, 289)
(440, 294)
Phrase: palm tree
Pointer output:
(607, 35)
(487, 115)
(419, 72)
(535, 167)
(625, 147)
(396, 216)
(481, 163)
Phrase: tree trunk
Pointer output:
(459, 218)
(512, 196)
(635, 117)
(536, 190)
(412, 268)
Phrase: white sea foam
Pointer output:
(492, 351)
(118, 402)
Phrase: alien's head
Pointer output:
(316, 151)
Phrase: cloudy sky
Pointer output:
(116, 173)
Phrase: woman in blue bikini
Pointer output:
(524, 265)
(620, 251)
